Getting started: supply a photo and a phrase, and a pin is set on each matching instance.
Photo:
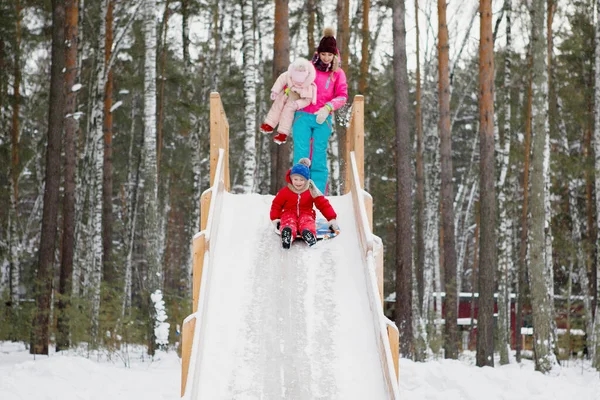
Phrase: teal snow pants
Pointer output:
(310, 140)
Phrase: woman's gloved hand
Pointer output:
(322, 114)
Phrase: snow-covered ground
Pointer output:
(72, 376)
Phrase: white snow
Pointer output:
(76, 87)
(73, 376)
(289, 324)
(116, 105)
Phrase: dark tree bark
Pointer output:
(44, 278)
(161, 88)
(16, 106)
(107, 176)
(487, 199)
(364, 62)
(66, 263)
(404, 184)
(447, 188)
(185, 16)
(420, 177)
(310, 27)
(280, 155)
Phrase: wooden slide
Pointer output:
(304, 323)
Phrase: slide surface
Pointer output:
(284, 324)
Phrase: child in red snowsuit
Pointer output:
(292, 208)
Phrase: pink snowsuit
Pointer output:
(282, 111)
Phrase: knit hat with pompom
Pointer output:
(328, 43)
(302, 168)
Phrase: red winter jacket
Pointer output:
(287, 199)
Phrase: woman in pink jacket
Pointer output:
(313, 124)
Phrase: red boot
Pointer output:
(266, 128)
(280, 138)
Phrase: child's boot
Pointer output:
(266, 128)
(309, 237)
(280, 138)
(286, 237)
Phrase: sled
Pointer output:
(323, 231)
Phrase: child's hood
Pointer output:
(308, 66)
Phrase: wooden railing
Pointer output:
(211, 204)
(210, 209)
(372, 246)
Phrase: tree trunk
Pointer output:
(310, 27)
(66, 263)
(420, 194)
(447, 188)
(94, 259)
(107, 181)
(14, 251)
(595, 349)
(543, 341)
(404, 185)
(506, 227)
(420, 181)
(150, 181)
(487, 199)
(162, 78)
(364, 61)
(280, 155)
(523, 281)
(249, 62)
(44, 278)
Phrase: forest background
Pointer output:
(104, 155)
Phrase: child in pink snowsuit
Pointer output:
(299, 78)
(292, 208)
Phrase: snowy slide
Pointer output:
(284, 324)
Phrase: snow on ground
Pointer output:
(73, 377)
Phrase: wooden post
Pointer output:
(355, 141)
(393, 336)
(204, 207)
(199, 247)
(219, 137)
(187, 338)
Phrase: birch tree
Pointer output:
(150, 181)
(94, 263)
(505, 230)
(43, 284)
(543, 340)
(487, 202)
(249, 60)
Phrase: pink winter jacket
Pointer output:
(307, 91)
(331, 88)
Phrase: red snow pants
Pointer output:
(306, 220)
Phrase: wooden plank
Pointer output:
(378, 254)
(187, 338)
(369, 209)
(359, 136)
(198, 249)
(204, 207)
(215, 127)
(394, 339)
